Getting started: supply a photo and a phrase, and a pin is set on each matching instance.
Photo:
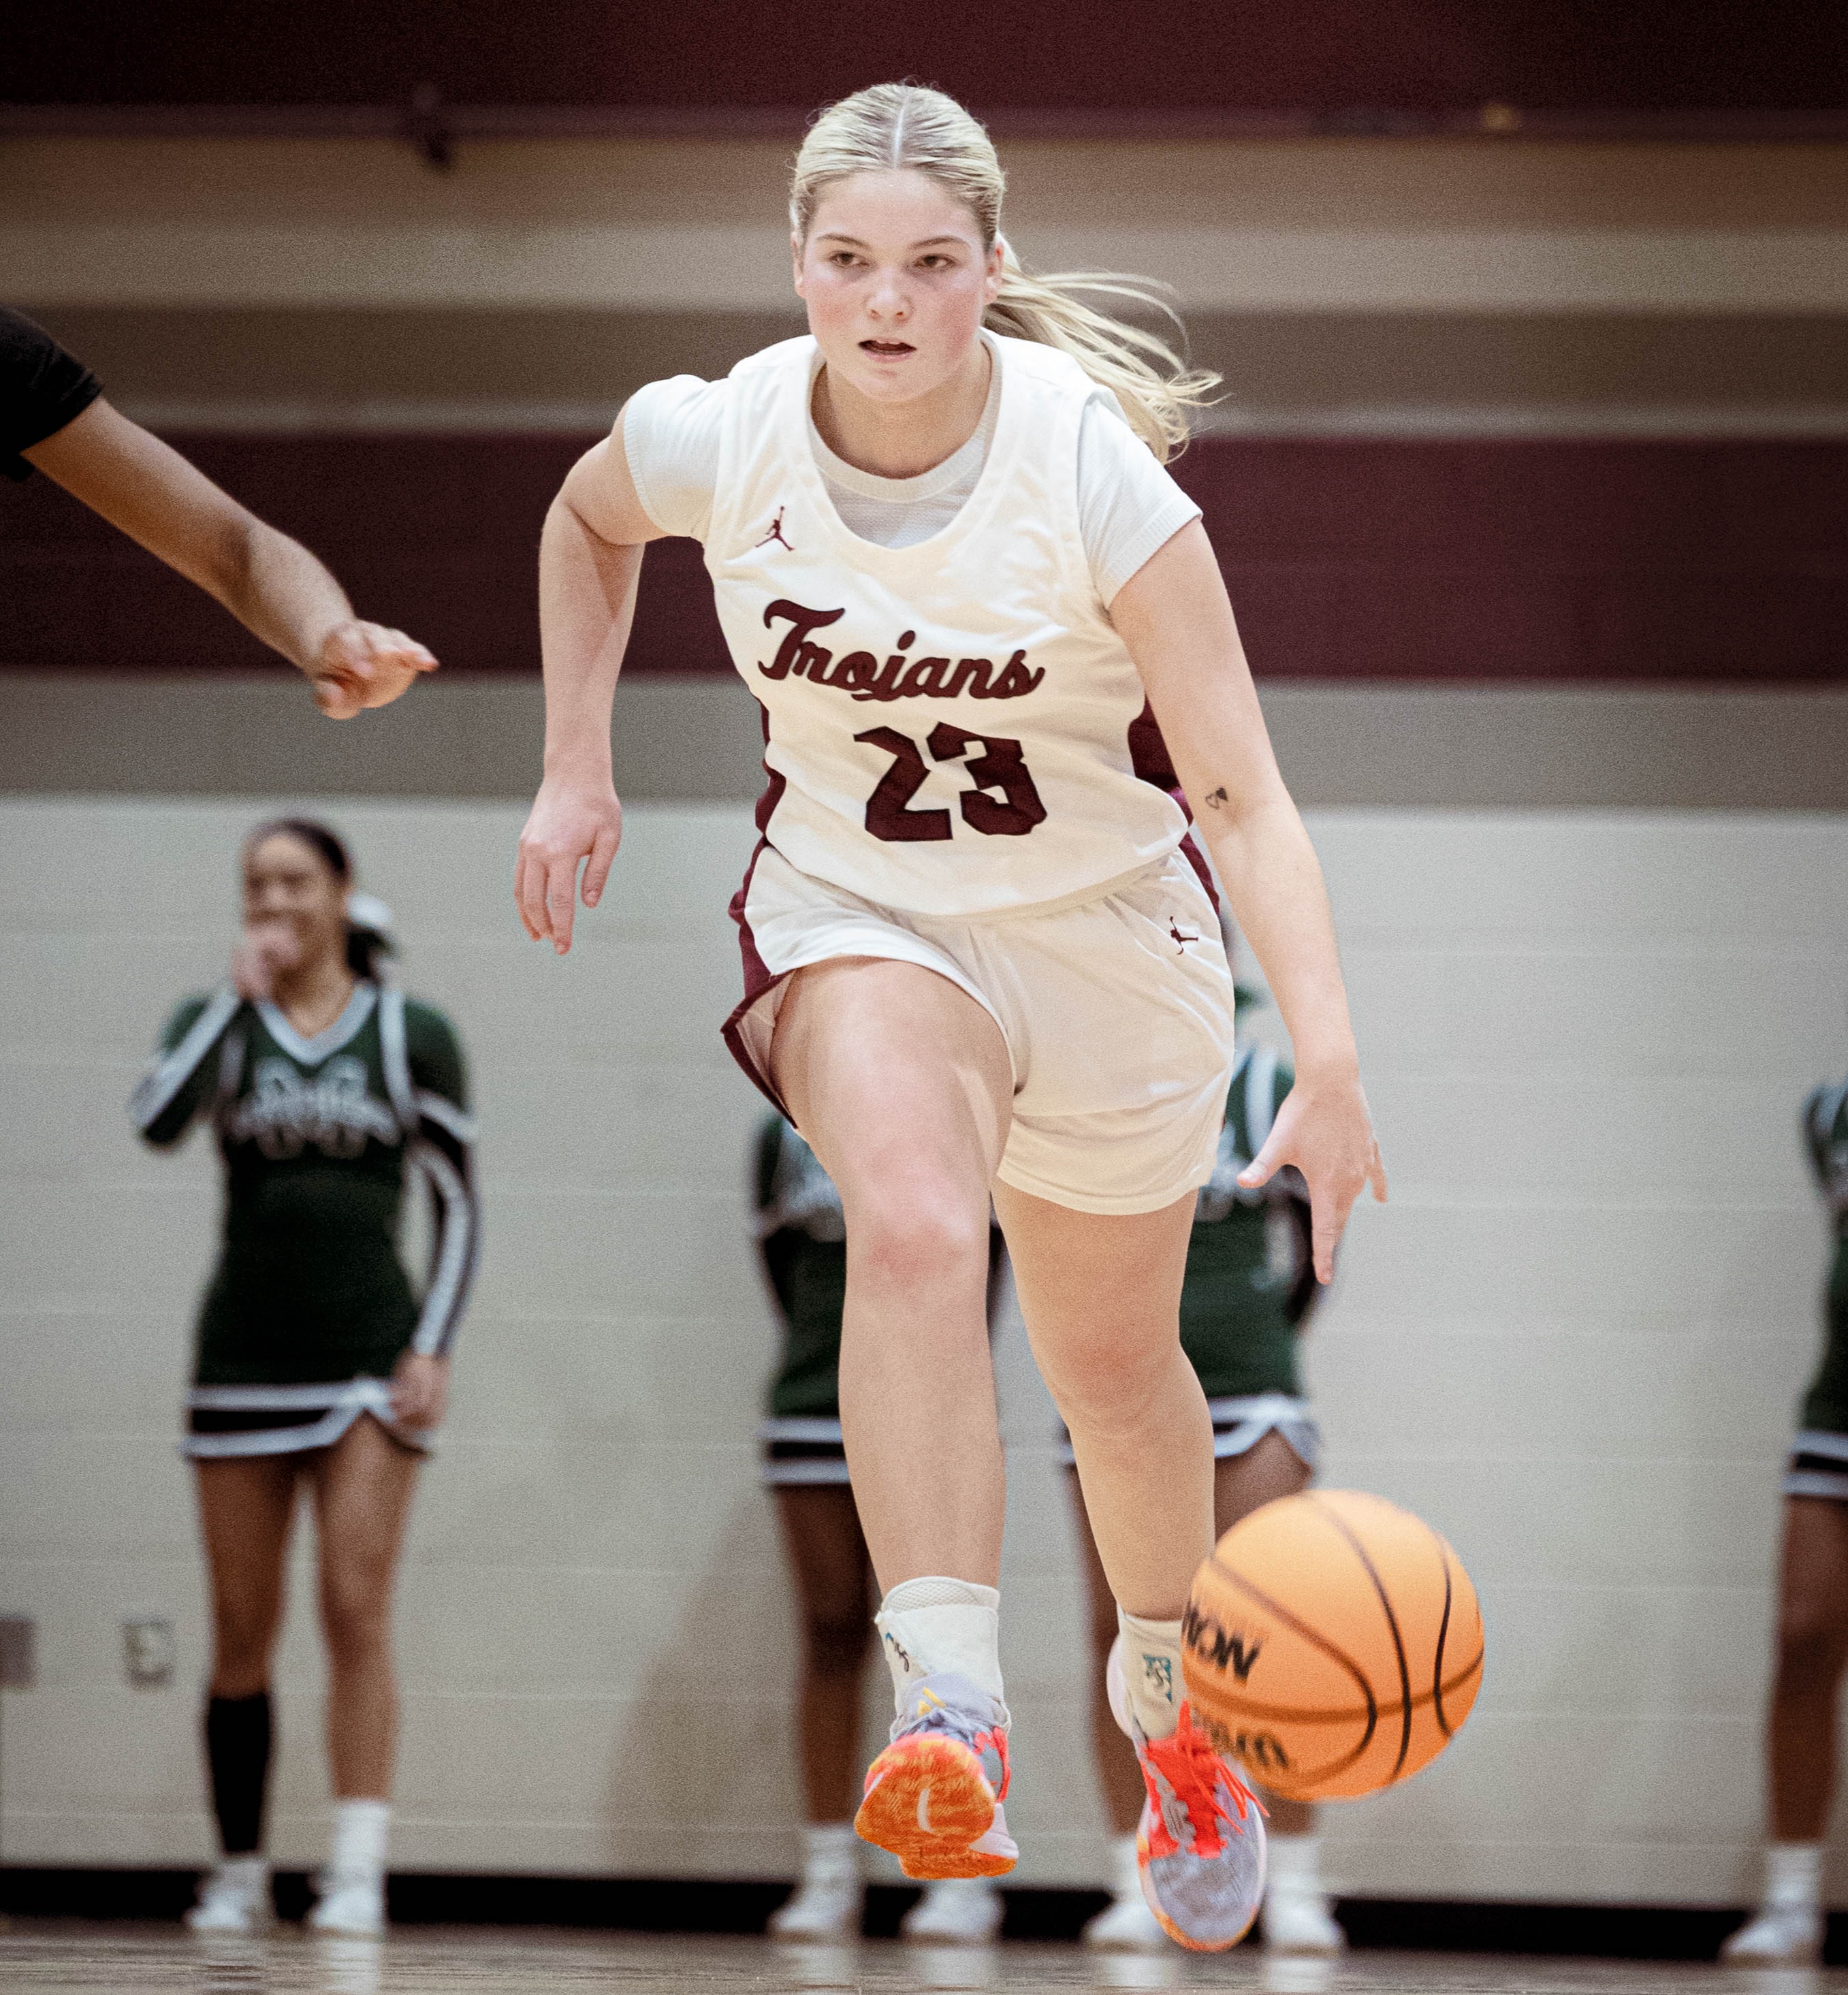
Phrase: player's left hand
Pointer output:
(420, 1390)
(1323, 1128)
(362, 664)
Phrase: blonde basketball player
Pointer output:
(978, 955)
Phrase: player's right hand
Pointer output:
(264, 948)
(362, 664)
(575, 821)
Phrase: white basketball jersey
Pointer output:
(949, 726)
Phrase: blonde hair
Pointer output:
(906, 126)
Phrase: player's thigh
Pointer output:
(1812, 1607)
(246, 1505)
(1270, 1467)
(363, 1487)
(898, 1079)
(831, 1571)
(1100, 1291)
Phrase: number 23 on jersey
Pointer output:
(1000, 766)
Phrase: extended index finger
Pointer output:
(419, 657)
(529, 894)
(1329, 1207)
(561, 900)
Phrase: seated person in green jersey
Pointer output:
(1249, 1285)
(803, 1237)
(1813, 1606)
(316, 1363)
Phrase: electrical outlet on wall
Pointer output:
(147, 1650)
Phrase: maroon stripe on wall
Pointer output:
(1542, 559)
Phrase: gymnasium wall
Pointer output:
(1572, 1341)
(1570, 746)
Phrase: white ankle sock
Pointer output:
(1294, 1862)
(932, 1624)
(1151, 1672)
(830, 1854)
(1793, 1876)
(362, 1829)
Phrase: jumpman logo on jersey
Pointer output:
(776, 532)
(1175, 936)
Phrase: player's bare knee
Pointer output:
(355, 1615)
(900, 1247)
(240, 1667)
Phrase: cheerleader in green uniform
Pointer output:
(1813, 1603)
(317, 1362)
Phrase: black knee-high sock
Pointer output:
(237, 1748)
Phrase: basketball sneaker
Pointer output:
(1199, 1847)
(933, 1797)
(234, 1898)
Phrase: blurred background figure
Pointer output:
(1813, 1604)
(316, 1364)
(1249, 1287)
(54, 416)
(802, 1235)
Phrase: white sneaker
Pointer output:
(955, 1911)
(1299, 1921)
(1126, 1925)
(234, 1898)
(822, 1909)
(1780, 1935)
(353, 1903)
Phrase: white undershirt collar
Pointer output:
(962, 467)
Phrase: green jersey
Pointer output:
(803, 1236)
(317, 1136)
(1250, 1280)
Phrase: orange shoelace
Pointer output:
(1195, 1773)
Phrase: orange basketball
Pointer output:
(1333, 1644)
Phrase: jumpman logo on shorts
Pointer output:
(1175, 936)
(776, 532)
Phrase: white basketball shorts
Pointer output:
(1116, 1007)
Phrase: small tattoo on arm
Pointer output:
(1216, 798)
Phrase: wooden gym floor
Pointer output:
(75, 1958)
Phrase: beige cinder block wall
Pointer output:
(1572, 1342)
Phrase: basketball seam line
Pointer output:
(1295, 1714)
(1318, 1641)
(1386, 1605)
(1436, 1689)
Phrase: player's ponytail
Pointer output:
(905, 126)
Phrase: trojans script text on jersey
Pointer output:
(953, 727)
